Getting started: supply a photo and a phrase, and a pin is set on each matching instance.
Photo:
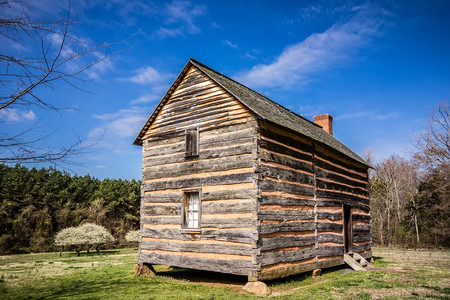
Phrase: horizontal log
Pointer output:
(229, 194)
(203, 247)
(204, 165)
(239, 146)
(335, 157)
(279, 148)
(286, 241)
(279, 158)
(340, 196)
(287, 269)
(324, 251)
(233, 266)
(288, 175)
(238, 235)
(277, 132)
(274, 257)
(323, 226)
(325, 237)
(361, 237)
(270, 200)
(230, 221)
(362, 248)
(269, 185)
(323, 174)
(285, 215)
(196, 182)
(339, 203)
(364, 218)
(332, 185)
(361, 228)
(205, 174)
(161, 210)
(328, 166)
(228, 206)
(282, 137)
(302, 226)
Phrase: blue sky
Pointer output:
(378, 67)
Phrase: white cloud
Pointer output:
(319, 52)
(148, 75)
(16, 115)
(118, 129)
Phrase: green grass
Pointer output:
(400, 274)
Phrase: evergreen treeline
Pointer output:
(36, 203)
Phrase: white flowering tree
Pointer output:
(88, 234)
(95, 235)
(132, 236)
(71, 236)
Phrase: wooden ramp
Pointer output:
(357, 262)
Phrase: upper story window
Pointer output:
(191, 142)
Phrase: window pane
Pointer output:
(192, 214)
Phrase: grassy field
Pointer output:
(110, 275)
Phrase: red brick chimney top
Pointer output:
(325, 121)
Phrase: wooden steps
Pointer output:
(357, 262)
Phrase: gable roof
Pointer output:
(261, 106)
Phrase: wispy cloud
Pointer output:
(370, 115)
(230, 44)
(319, 52)
(119, 128)
(181, 18)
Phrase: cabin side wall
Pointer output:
(223, 172)
(303, 188)
(343, 182)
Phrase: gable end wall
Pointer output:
(223, 171)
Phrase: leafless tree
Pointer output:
(57, 56)
(393, 187)
(434, 144)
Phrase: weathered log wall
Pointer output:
(223, 170)
(341, 181)
(303, 187)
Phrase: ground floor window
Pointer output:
(191, 209)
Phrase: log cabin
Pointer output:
(233, 182)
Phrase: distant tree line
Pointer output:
(35, 204)
(410, 199)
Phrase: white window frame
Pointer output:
(192, 210)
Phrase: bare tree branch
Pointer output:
(59, 58)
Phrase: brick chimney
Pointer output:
(325, 121)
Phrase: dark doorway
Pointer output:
(348, 240)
